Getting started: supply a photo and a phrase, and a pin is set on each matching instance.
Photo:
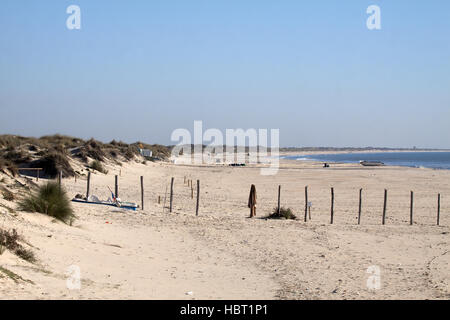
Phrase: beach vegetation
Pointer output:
(11, 240)
(285, 213)
(97, 166)
(49, 199)
(8, 167)
(7, 195)
(10, 210)
(15, 277)
(53, 153)
(53, 162)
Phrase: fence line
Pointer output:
(238, 203)
(385, 217)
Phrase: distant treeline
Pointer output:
(221, 149)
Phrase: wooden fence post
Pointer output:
(116, 186)
(332, 205)
(192, 192)
(411, 219)
(279, 198)
(198, 197)
(439, 208)
(306, 202)
(360, 206)
(88, 185)
(384, 206)
(159, 199)
(142, 192)
(171, 195)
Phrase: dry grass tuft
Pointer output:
(7, 195)
(97, 165)
(10, 240)
(8, 167)
(285, 213)
(53, 162)
(51, 200)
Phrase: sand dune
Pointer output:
(221, 254)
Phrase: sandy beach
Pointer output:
(222, 254)
(220, 150)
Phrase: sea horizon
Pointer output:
(413, 159)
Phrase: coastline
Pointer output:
(294, 153)
(391, 162)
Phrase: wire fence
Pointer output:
(336, 205)
(343, 207)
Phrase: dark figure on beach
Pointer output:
(252, 201)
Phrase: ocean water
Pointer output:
(435, 160)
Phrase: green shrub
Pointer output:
(97, 165)
(285, 213)
(51, 200)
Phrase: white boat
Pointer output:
(368, 163)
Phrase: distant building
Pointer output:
(146, 152)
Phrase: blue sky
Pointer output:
(137, 70)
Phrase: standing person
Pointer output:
(252, 201)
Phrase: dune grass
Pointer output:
(7, 195)
(7, 166)
(15, 277)
(285, 213)
(51, 200)
(97, 166)
(10, 240)
(54, 161)
(10, 210)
